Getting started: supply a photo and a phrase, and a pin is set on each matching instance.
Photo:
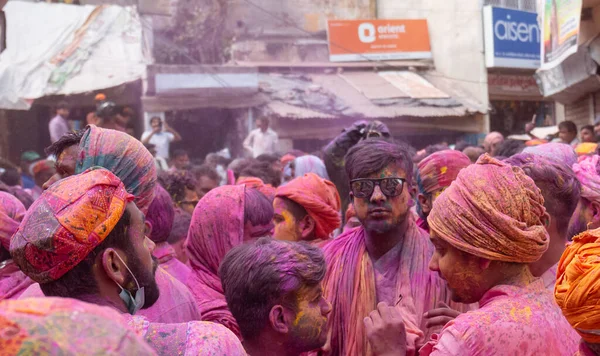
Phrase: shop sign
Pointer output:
(512, 38)
(367, 40)
(505, 84)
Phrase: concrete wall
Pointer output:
(456, 37)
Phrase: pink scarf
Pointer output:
(217, 226)
(350, 286)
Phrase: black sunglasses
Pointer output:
(364, 187)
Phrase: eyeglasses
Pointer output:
(391, 187)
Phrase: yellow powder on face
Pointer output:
(298, 317)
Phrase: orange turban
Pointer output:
(586, 148)
(67, 222)
(493, 211)
(319, 197)
(258, 184)
(577, 290)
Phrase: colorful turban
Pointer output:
(161, 214)
(11, 214)
(493, 211)
(67, 222)
(123, 155)
(61, 326)
(256, 183)
(41, 166)
(577, 290)
(319, 197)
(287, 159)
(586, 148)
(440, 169)
(555, 151)
(588, 175)
(310, 164)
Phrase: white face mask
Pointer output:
(133, 304)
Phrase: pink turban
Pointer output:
(493, 211)
(11, 214)
(587, 174)
(319, 197)
(440, 169)
(67, 222)
(161, 215)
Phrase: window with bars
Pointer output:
(525, 5)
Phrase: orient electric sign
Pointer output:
(364, 40)
(512, 38)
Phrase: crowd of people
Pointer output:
(366, 247)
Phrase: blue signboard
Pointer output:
(512, 38)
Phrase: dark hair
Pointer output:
(154, 118)
(373, 155)
(258, 210)
(181, 226)
(176, 183)
(569, 126)
(264, 171)
(269, 158)
(80, 280)
(557, 181)
(62, 105)
(67, 140)
(239, 164)
(297, 210)
(206, 171)
(127, 111)
(263, 119)
(179, 153)
(260, 275)
(11, 177)
(510, 148)
(588, 127)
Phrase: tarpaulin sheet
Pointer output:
(59, 49)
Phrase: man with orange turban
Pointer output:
(486, 228)
(577, 289)
(306, 209)
(434, 174)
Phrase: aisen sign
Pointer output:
(363, 40)
(512, 38)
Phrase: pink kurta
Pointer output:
(510, 321)
(13, 282)
(175, 304)
(192, 338)
(169, 262)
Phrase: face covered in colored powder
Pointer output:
(140, 261)
(190, 201)
(460, 270)
(381, 213)
(585, 217)
(286, 227)
(65, 165)
(309, 327)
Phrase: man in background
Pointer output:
(567, 133)
(27, 159)
(161, 137)
(261, 140)
(59, 126)
(207, 179)
(180, 160)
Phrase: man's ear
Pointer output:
(307, 227)
(279, 320)
(484, 263)
(113, 267)
(425, 203)
(148, 227)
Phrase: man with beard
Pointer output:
(384, 260)
(487, 227)
(587, 213)
(273, 289)
(84, 238)
(132, 163)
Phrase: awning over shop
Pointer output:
(363, 94)
(574, 78)
(58, 49)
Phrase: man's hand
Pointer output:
(440, 316)
(385, 331)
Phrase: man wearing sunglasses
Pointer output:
(384, 260)
(434, 174)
